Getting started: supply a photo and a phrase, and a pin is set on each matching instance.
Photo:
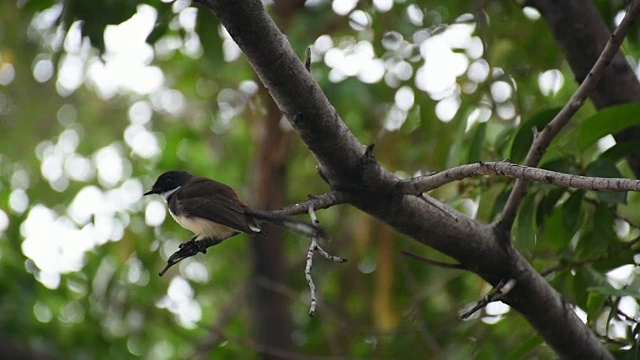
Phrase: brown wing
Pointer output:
(214, 201)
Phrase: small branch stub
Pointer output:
(432, 262)
(503, 287)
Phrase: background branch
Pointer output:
(542, 140)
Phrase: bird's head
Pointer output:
(169, 182)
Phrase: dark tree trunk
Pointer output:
(270, 308)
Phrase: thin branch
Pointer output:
(503, 287)
(543, 139)
(432, 262)
(441, 207)
(429, 182)
(627, 317)
(316, 202)
(312, 285)
(307, 270)
(329, 257)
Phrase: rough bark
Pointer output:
(348, 167)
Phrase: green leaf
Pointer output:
(603, 224)
(501, 143)
(571, 211)
(477, 144)
(487, 351)
(554, 236)
(620, 150)
(591, 277)
(595, 302)
(501, 200)
(525, 234)
(487, 205)
(162, 23)
(609, 290)
(614, 260)
(207, 28)
(524, 136)
(564, 283)
(610, 120)
(547, 205)
(607, 168)
(590, 245)
(561, 164)
(525, 348)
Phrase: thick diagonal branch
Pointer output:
(348, 168)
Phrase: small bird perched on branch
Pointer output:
(213, 210)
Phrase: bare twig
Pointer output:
(425, 183)
(312, 285)
(316, 202)
(441, 207)
(503, 287)
(544, 138)
(432, 262)
(627, 317)
(307, 270)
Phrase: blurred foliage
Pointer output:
(79, 251)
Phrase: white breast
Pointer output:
(204, 228)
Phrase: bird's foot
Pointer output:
(194, 244)
(185, 250)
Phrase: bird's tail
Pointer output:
(294, 224)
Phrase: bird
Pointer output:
(213, 210)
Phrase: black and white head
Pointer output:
(169, 182)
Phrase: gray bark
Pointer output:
(346, 167)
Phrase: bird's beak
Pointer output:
(150, 192)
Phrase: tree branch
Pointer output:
(316, 202)
(307, 270)
(543, 139)
(495, 294)
(429, 182)
(347, 167)
(432, 262)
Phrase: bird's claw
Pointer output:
(185, 250)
